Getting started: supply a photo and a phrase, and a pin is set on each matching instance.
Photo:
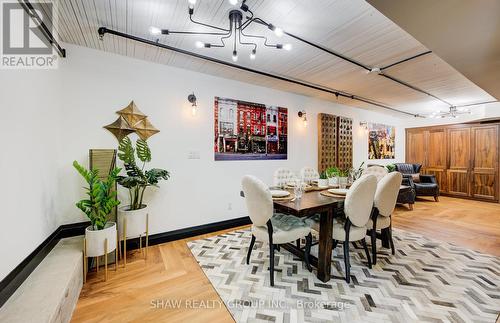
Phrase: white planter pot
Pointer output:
(322, 182)
(95, 240)
(136, 221)
(332, 181)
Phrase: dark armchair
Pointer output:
(424, 185)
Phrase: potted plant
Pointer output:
(332, 173)
(323, 180)
(391, 168)
(100, 236)
(137, 180)
(343, 175)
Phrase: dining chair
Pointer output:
(282, 176)
(358, 207)
(309, 174)
(378, 171)
(384, 203)
(275, 230)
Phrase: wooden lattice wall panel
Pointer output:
(344, 143)
(327, 141)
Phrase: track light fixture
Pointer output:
(238, 22)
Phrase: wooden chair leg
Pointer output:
(410, 206)
(374, 245)
(391, 242)
(363, 242)
(277, 247)
(252, 242)
(346, 262)
(307, 251)
(436, 198)
(271, 263)
(298, 243)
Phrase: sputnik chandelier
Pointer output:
(239, 20)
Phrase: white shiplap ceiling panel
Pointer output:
(350, 27)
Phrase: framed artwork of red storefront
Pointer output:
(249, 131)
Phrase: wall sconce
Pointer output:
(302, 114)
(364, 125)
(192, 100)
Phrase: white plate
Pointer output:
(338, 191)
(279, 193)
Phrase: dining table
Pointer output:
(311, 203)
(328, 208)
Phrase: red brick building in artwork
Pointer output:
(251, 123)
(282, 129)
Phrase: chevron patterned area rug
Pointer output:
(426, 281)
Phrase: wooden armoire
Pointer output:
(463, 157)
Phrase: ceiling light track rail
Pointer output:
(405, 60)
(103, 30)
(30, 10)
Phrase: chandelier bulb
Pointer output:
(278, 31)
(287, 47)
(192, 2)
(233, 2)
(199, 44)
(154, 30)
(235, 56)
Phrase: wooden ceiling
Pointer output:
(350, 27)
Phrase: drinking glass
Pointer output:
(342, 182)
(298, 189)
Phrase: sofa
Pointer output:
(424, 185)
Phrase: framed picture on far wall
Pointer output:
(381, 141)
(249, 131)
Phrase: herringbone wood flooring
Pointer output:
(171, 272)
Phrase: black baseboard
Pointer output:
(19, 274)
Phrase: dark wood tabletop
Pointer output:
(310, 203)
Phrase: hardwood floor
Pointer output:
(171, 273)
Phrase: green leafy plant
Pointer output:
(332, 172)
(101, 198)
(391, 168)
(137, 179)
(343, 172)
(323, 175)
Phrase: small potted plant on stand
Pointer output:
(101, 235)
(133, 219)
(323, 180)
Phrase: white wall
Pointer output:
(200, 191)
(30, 117)
(50, 118)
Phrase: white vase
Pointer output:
(136, 221)
(323, 182)
(332, 181)
(95, 240)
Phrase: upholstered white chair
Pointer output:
(384, 204)
(309, 174)
(358, 207)
(282, 176)
(274, 230)
(378, 171)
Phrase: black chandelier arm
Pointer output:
(197, 33)
(261, 37)
(245, 43)
(222, 40)
(248, 21)
(206, 25)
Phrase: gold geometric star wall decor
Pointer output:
(132, 114)
(120, 128)
(144, 129)
(130, 120)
